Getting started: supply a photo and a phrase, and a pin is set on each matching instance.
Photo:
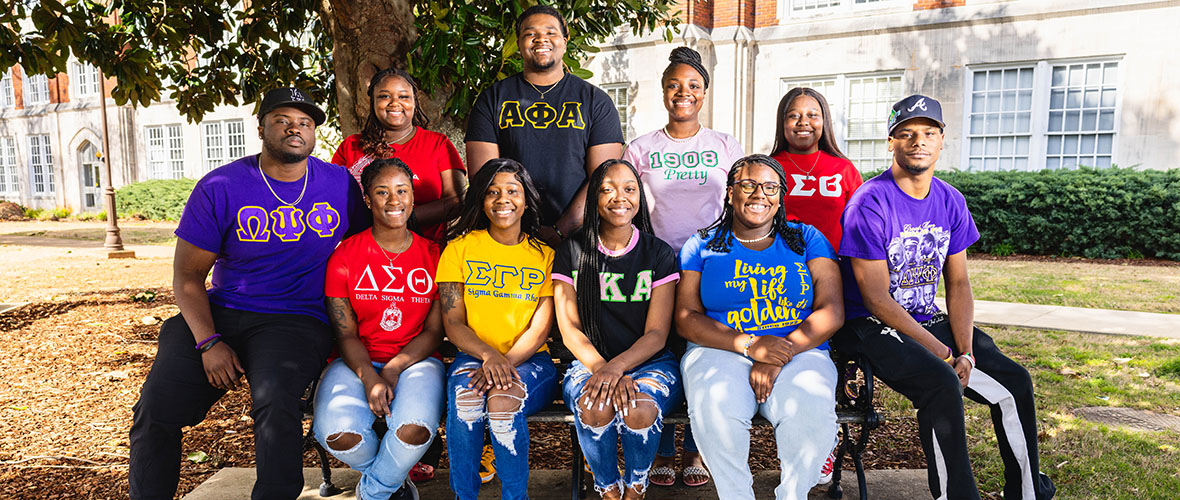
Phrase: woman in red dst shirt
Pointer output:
(396, 128)
(820, 179)
(381, 301)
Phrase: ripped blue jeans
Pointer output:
(600, 432)
(469, 413)
(341, 407)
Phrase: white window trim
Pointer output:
(168, 171)
(76, 70)
(10, 171)
(225, 146)
(839, 109)
(7, 90)
(624, 115)
(1039, 124)
(50, 180)
(28, 86)
(784, 10)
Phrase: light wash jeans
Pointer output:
(658, 378)
(801, 406)
(342, 406)
(510, 432)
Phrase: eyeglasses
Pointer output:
(748, 186)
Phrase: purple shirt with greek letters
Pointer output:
(913, 237)
(271, 256)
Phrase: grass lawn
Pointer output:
(1103, 286)
(130, 235)
(1072, 370)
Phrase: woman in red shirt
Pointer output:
(395, 128)
(820, 179)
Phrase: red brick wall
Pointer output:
(766, 13)
(59, 88)
(733, 13)
(18, 90)
(937, 4)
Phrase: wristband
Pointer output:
(208, 343)
(558, 231)
(950, 356)
(746, 347)
(970, 358)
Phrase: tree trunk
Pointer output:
(367, 36)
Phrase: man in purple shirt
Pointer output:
(265, 224)
(903, 231)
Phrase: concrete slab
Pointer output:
(235, 484)
(1139, 420)
(9, 307)
(1077, 319)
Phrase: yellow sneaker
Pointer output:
(487, 465)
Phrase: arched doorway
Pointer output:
(90, 176)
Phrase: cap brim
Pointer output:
(317, 115)
(898, 124)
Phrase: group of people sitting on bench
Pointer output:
(366, 264)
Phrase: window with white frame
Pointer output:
(224, 141)
(1082, 101)
(41, 165)
(860, 106)
(1042, 115)
(619, 94)
(999, 131)
(165, 151)
(8, 180)
(7, 93)
(85, 79)
(36, 90)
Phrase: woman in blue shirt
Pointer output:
(758, 299)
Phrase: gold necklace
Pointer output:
(276, 195)
(805, 172)
(616, 253)
(548, 90)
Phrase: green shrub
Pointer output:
(155, 200)
(33, 213)
(1107, 213)
(61, 213)
(46, 215)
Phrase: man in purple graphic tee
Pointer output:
(266, 225)
(904, 230)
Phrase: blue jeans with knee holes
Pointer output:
(659, 379)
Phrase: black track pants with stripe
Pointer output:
(932, 385)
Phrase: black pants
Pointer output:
(281, 353)
(932, 385)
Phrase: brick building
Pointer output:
(51, 132)
(1025, 84)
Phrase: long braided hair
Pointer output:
(373, 134)
(827, 138)
(590, 264)
(473, 218)
(722, 228)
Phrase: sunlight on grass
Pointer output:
(1104, 286)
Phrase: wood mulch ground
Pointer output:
(73, 360)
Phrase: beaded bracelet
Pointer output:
(206, 344)
(749, 342)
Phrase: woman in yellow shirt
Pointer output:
(497, 303)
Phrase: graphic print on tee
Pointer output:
(916, 256)
(396, 281)
(482, 274)
(286, 222)
(683, 166)
(807, 185)
(770, 306)
(610, 290)
(540, 115)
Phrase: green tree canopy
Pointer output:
(204, 53)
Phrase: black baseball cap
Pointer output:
(293, 97)
(915, 106)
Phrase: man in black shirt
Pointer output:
(557, 125)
